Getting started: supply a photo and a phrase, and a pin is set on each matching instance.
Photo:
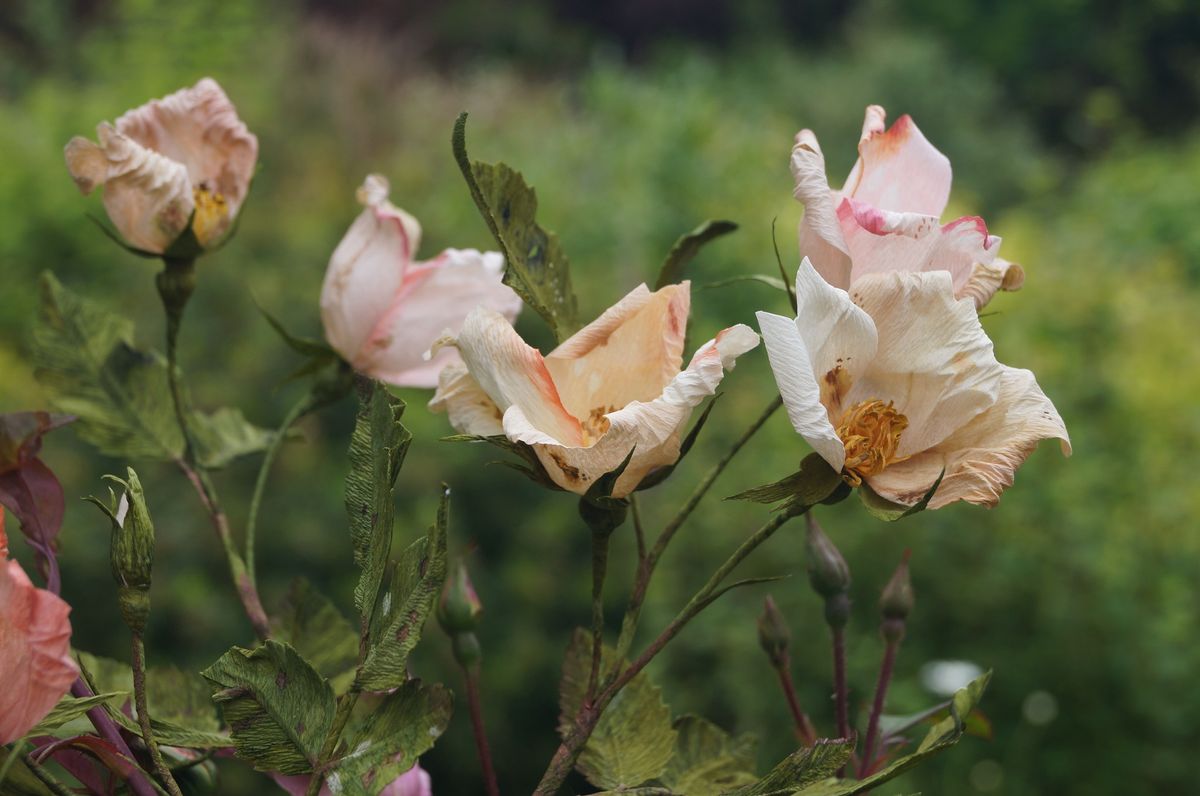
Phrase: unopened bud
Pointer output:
(773, 633)
(466, 649)
(459, 609)
(896, 603)
(131, 551)
(827, 570)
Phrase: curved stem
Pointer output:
(143, 715)
(138, 782)
(881, 688)
(471, 673)
(650, 561)
(585, 721)
(260, 484)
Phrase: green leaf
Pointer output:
(305, 346)
(977, 723)
(69, 708)
(813, 483)
(377, 450)
(941, 736)
(85, 356)
(225, 435)
(634, 741)
(396, 731)
(686, 249)
(656, 477)
(811, 764)
(789, 285)
(762, 279)
(707, 761)
(535, 265)
(886, 510)
(318, 632)
(397, 622)
(277, 706)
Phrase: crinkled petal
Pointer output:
(898, 169)
(515, 377)
(433, 301)
(820, 230)
(817, 357)
(881, 241)
(934, 360)
(630, 353)
(147, 196)
(651, 429)
(987, 278)
(366, 271)
(981, 458)
(199, 127)
(469, 408)
(36, 667)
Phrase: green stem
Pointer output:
(45, 776)
(295, 413)
(639, 530)
(345, 706)
(143, 715)
(648, 563)
(600, 540)
(589, 714)
(475, 706)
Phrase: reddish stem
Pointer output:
(804, 728)
(481, 742)
(885, 678)
(841, 706)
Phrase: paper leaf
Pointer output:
(707, 760)
(803, 767)
(225, 435)
(686, 249)
(319, 633)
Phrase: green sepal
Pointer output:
(532, 467)
(686, 249)
(535, 265)
(278, 707)
(884, 509)
(815, 482)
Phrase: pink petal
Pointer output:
(433, 300)
(366, 271)
(630, 353)
(414, 782)
(821, 238)
(36, 667)
(898, 169)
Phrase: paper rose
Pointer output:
(414, 782)
(887, 215)
(896, 380)
(383, 311)
(36, 667)
(183, 159)
(613, 387)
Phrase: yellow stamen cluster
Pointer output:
(871, 433)
(210, 214)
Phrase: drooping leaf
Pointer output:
(656, 477)
(803, 767)
(225, 435)
(318, 631)
(535, 265)
(707, 761)
(377, 450)
(884, 509)
(278, 708)
(396, 624)
(813, 483)
(85, 356)
(395, 732)
(69, 708)
(634, 740)
(687, 247)
(789, 286)
(762, 279)
(941, 736)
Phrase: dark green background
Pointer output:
(1071, 126)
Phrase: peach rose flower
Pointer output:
(383, 310)
(886, 217)
(183, 159)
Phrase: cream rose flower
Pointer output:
(613, 387)
(382, 310)
(36, 667)
(896, 381)
(185, 158)
(887, 215)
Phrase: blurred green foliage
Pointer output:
(1080, 590)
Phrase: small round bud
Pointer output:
(773, 633)
(466, 649)
(131, 551)
(897, 599)
(827, 570)
(459, 609)
(837, 610)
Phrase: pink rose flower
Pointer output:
(383, 310)
(36, 667)
(887, 215)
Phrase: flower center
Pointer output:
(210, 214)
(596, 425)
(871, 431)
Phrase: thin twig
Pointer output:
(143, 715)
(260, 483)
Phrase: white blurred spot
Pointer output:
(1039, 708)
(122, 509)
(387, 603)
(334, 783)
(987, 776)
(945, 677)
